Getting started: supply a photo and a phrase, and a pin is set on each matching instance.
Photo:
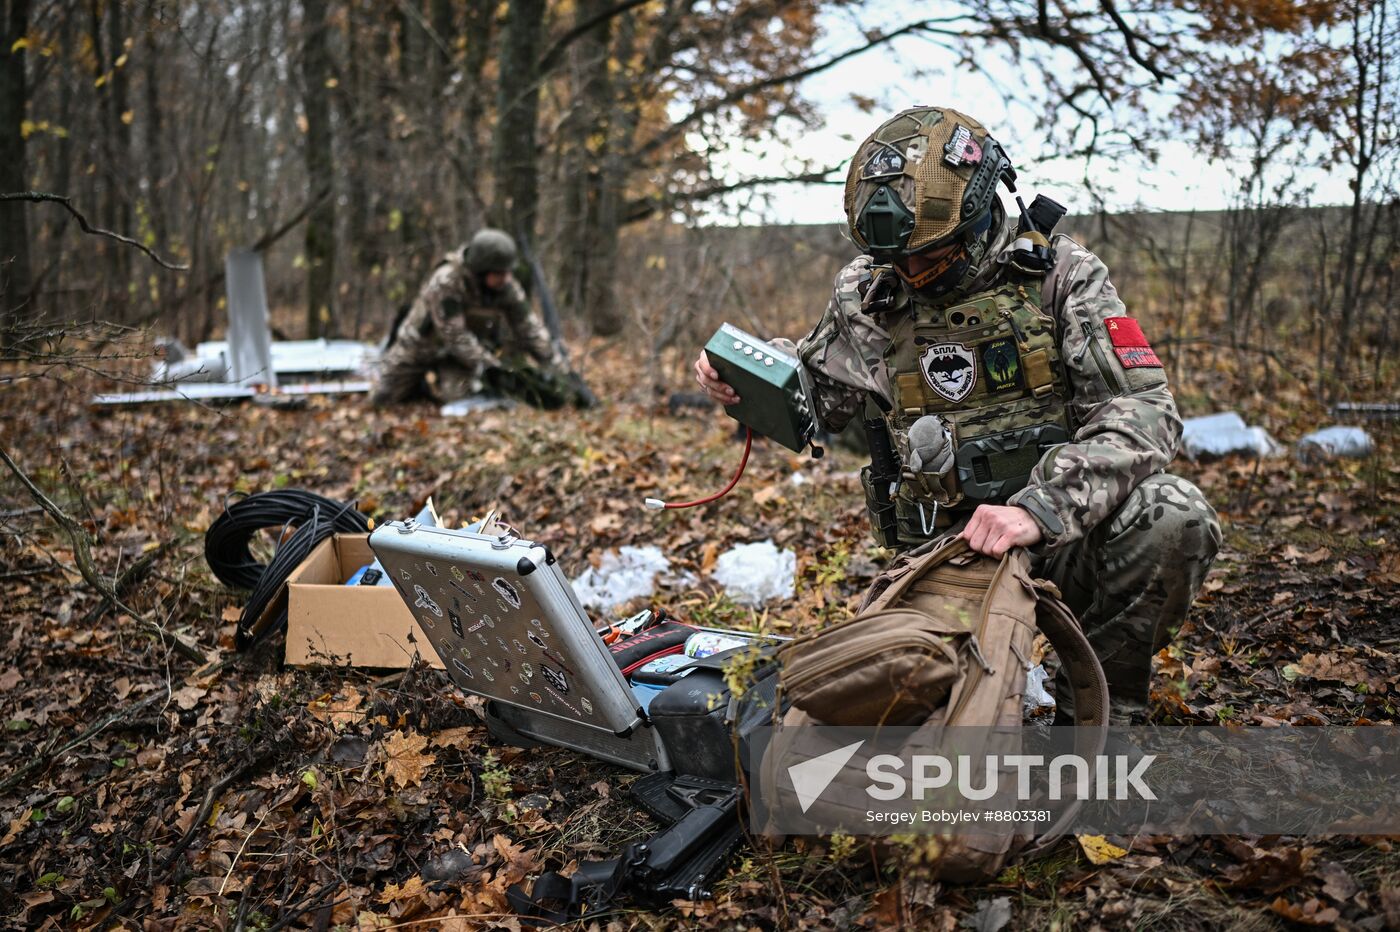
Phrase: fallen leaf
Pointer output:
(460, 738)
(339, 711)
(187, 697)
(404, 760)
(411, 887)
(1099, 850)
(16, 826)
(1310, 913)
(1311, 558)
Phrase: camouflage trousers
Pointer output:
(1131, 581)
(406, 365)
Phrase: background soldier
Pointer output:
(471, 324)
(1024, 407)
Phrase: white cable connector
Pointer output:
(655, 504)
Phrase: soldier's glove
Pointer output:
(930, 446)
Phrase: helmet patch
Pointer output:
(885, 162)
(962, 149)
(950, 369)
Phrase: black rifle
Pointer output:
(878, 478)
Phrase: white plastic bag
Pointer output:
(754, 573)
(621, 576)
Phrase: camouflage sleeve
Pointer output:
(445, 298)
(843, 354)
(1127, 426)
(529, 330)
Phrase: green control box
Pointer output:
(772, 396)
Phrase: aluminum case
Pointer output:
(506, 622)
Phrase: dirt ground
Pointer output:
(141, 788)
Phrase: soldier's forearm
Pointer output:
(1078, 484)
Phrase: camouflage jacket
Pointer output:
(1125, 420)
(470, 323)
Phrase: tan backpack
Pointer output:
(944, 637)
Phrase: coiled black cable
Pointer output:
(315, 518)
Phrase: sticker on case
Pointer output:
(425, 600)
(562, 701)
(432, 570)
(463, 589)
(463, 669)
(507, 591)
(554, 678)
(456, 573)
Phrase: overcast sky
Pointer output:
(1180, 180)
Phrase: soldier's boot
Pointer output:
(401, 373)
(1131, 581)
(456, 381)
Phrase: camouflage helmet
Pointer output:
(925, 176)
(491, 251)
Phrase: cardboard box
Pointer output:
(329, 622)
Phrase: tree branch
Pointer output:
(1130, 39)
(551, 56)
(40, 196)
(739, 93)
(82, 555)
(642, 208)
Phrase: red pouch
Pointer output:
(669, 637)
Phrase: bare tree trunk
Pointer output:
(14, 229)
(320, 166)
(604, 313)
(120, 169)
(479, 32)
(1370, 49)
(515, 150)
(155, 146)
(587, 133)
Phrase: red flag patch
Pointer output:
(1130, 344)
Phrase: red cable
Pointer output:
(748, 445)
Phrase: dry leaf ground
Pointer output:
(256, 797)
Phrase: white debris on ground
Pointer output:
(798, 479)
(1334, 441)
(622, 575)
(752, 574)
(474, 404)
(1036, 696)
(1225, 433)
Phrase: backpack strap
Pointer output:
(1090, 687)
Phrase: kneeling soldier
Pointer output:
(470, 319)
(1024, 406)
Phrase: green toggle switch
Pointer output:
(773, 399)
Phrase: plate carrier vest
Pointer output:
(990, 368)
